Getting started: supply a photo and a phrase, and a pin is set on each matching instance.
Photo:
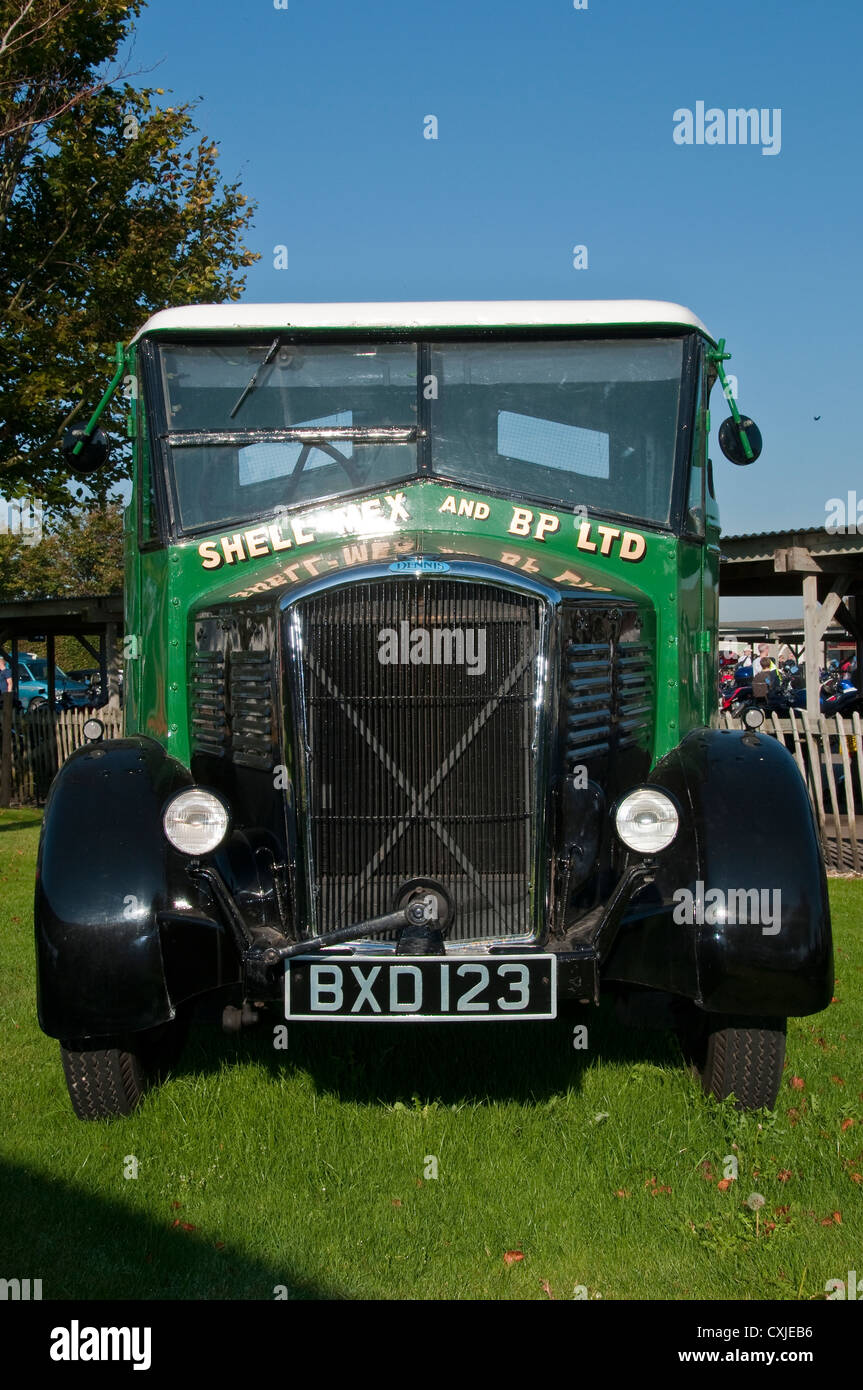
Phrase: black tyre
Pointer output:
(109, 1081)
(739, 1056)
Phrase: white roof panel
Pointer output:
(489, 313)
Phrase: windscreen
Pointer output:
(586, 423)
(236, 397)
(589, 423)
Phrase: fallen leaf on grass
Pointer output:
(654, 1190)
(846, 1124)
(395, 1202)
(724, 1184)
(187, 1226)
(856, 1177)
(837, 1217)
(784, 1174)
(546, 1288)
(797, 1083)
(622, 1192)
(176, 1206)
(220, 1245)
(511, 1257)
(837, 1081)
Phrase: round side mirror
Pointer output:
(731, 443)
(94, 451)
(753, 718)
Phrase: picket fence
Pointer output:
(39, 743)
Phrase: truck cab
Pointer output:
(420, 655)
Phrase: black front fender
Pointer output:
(105, 872)
(746, 826)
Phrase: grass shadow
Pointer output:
(83, 1246)
(388, 1062)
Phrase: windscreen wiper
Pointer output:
(273, 349)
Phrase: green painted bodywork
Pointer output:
(675, 580)
(171, 583)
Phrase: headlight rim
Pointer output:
(654, 790)
(216, 796)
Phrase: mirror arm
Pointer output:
(717, 356)
(120, 355)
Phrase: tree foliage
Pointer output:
(82, 554)
(112, 206)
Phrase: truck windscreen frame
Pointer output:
(599, 423)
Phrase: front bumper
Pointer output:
(580, 953)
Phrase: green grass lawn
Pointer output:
(311, 1168)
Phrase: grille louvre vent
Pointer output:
(250, 682)
(209, 715)
(608, 690)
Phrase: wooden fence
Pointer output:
(830, 758)
(37, 745)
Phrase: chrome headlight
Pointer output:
(196, 821)
(647, 820)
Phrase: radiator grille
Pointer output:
(419, 709)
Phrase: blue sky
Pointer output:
(555, 129)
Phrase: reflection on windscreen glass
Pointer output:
(260, 462)
(569, 447)
(590, 423)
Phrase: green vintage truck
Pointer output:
(421, 620)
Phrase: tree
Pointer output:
(81, 554)
(111, 207)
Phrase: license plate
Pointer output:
(420, 988)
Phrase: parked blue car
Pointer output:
(33, 684)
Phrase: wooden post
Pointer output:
(824, 730)
(6, 748)
(51, 671)
(849, 793)
(113, 666)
